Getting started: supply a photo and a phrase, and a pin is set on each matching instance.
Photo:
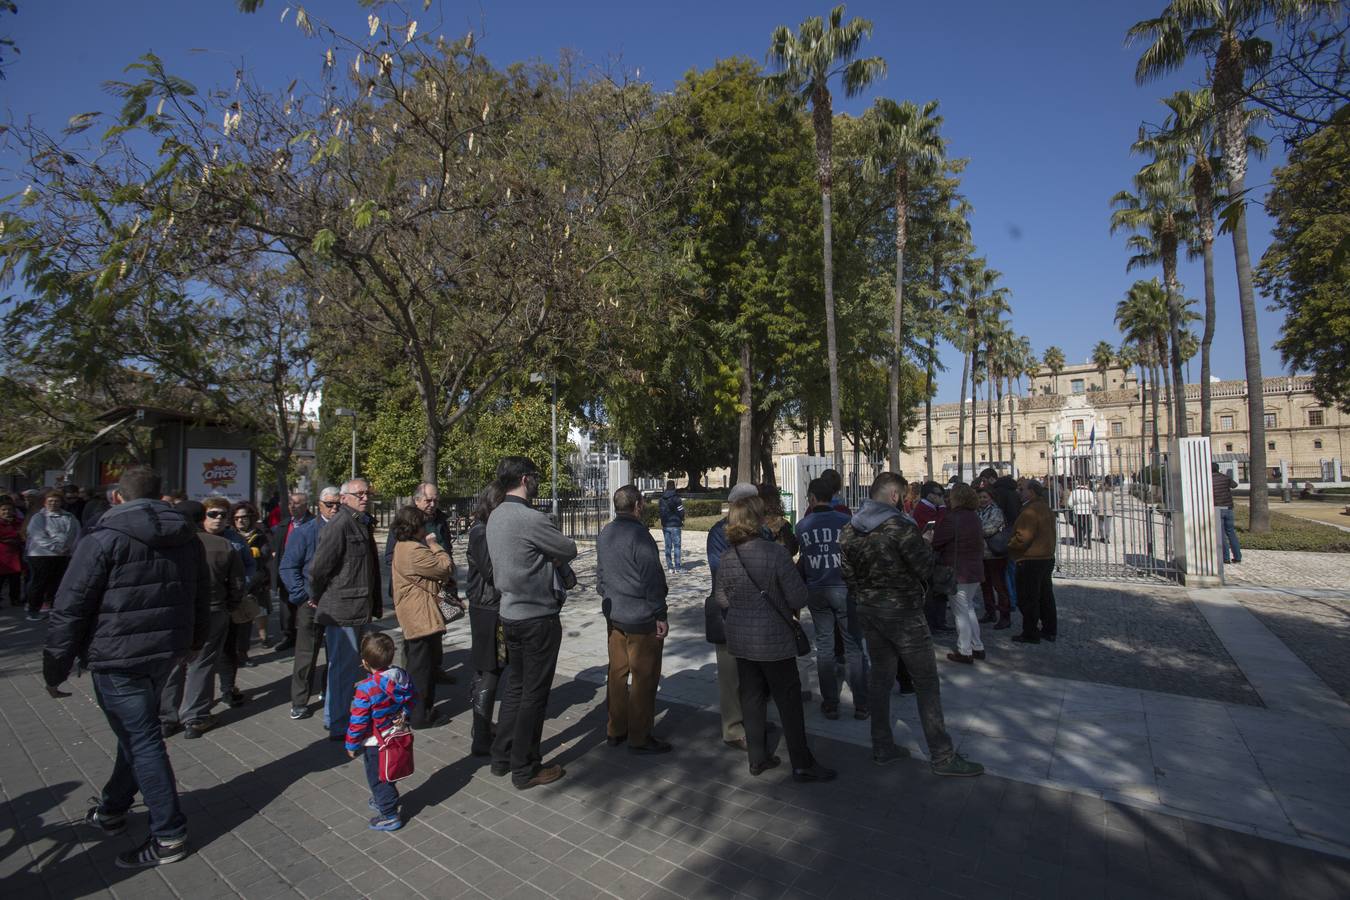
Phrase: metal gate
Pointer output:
(1113, 513)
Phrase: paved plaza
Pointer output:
(1170, 744)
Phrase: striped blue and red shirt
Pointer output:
(380, 699)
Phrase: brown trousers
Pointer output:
(632, 708)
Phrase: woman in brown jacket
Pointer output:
(1033, 547)
(420, 567)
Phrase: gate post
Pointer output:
(795, 473)
(1195, 524)
(618, 477)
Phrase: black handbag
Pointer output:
(798, 633)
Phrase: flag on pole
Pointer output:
(1075, 440)
(1055, 444)
(1092, 437)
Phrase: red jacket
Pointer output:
(11, 548)
(924, 513)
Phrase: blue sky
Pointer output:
(1040, 96)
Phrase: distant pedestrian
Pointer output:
(189, 690)
(761, 589)
(51, 534)
(959, 545)
(378, 703)
(135, 602)
(994, 587)
(420, 566)
(527, 549)
(309, 633)
(1033, 547)
(234, 649)
(632, 590)
(297, 515)
(426, 498)
(832, 609)
(11, 551)
(1082, 506)
(670, 511)
(1223, 500)
(836, 483)
(728, 682)
(487, 652)
(886, 563)
(258, 544)
(344, 582)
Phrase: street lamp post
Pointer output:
(343, 411)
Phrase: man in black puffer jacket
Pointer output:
(134, 601)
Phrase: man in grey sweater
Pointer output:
(632, 586)
(526, 550)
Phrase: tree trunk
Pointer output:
(898, 325)
(1012, 431)
(1169, 392)
(1207, 339)
(928, 409)
(810, 437)
(1178, 394)
(998, 391)
(961, 416)
(746, 451)
(822, 121)
(988, 409)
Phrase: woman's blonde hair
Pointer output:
(963, 497)
(744, 519)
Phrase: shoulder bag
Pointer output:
(396, 747)
(798, 634)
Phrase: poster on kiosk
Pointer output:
(219, 473)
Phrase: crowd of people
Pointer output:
(160, 598)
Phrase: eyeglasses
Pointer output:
(215, 514)
(328, 504)
(358, 493)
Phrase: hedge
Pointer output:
(693, 509)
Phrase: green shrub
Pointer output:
(1289, 533)
(693, 509)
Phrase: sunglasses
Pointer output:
(215, 514)
(328, 504)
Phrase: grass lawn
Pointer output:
(1288, 533)
(705, 523)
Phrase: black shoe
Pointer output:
(830, 710)
(153, 853)
(815, 773)
(615, 740)
(978, 654)
(301, 712)
(1025, 639)
(960, 658)
(285, 645)
(653, 746)
(195, 729)
(887, 755)
(861, 714)
(771, 763)
(1047, 637)
(500, 769)
(236, 698)
(109, 825)
(169, 729)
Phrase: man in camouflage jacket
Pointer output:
(886, 563)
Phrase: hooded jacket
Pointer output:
(886, 562)
(136, 595)
(671, 509)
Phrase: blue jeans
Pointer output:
(672, 541)
(832, 607)
(130, 700)
(383, 794)
(1011, 575)
(342, 645)
(1228, 542)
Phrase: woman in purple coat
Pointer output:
(959, 543)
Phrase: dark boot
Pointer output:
(483, 734)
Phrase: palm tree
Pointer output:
(1224, 32)
(982, 301)
(1054, 361)
(1159, 215)
(1103, 356)
(807, 61)
(1142, 318)
(904, 139)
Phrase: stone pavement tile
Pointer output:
(1317, 818)
(1217, 797)
(1231, 763)
(1102, 771)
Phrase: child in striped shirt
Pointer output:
(381, 699)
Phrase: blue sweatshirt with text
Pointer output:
(818, 535)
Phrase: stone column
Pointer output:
(1195, 523)
(618, 477)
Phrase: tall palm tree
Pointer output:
(1054, 361)
(1142, 319)
(982, 301)
(1224, 32)
(807, 61)
(904, 140)
(1103, 357)
(1158, 213)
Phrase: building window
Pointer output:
(1012, 434)
(1079, 427)
(1042, 454)
(1076, 386)
(1117, 428)
(951, 437)
(1317, 445)
(1270, 445)
(1315, 417)
(1272, 420)
(1228, 448)
(1225, 423)
(1190, 423)
(1040, 434)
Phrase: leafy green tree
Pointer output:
(1226, 33)
(1306, 269)
(808, 61)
